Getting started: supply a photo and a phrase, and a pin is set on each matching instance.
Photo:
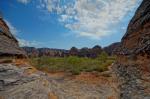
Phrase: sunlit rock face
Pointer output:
(8, 43)
(132, 68)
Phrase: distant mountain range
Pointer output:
(9, 42)
(83, 52)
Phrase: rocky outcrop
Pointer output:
(8, 43)
(17, 83)
(110, 50)
(39, 52)
(52, 52)
(132, 68)
(31, 51)
(83, 52)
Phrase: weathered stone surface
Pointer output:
(84, 86)
(132, 68)
(16, 83)
(8, 43)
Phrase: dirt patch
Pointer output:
(92, 78)
(52, 96)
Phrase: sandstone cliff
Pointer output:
(8, 43)
(133, 64)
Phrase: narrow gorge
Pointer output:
(127, 78)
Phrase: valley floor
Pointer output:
(25, 82)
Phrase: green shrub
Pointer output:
(103, 56)
(72, 64)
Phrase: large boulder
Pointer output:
(8, 43)
(132, 68)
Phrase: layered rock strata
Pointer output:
(132, 68)
(8, 43)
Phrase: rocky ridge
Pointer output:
(111, 48)
(8, 43)
(83, 52)
(132, 68)
(39, 52)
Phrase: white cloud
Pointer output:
(94, 18)
(23, 42)
(13, 30)
(24, 1)
(90, 18)
(50, 5)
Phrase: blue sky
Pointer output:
(66, 23)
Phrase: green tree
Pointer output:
(103, 56)
(73, 51)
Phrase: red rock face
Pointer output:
(132, 68)
(8, 43)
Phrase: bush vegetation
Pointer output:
(73, 64)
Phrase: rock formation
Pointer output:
(18, 82)
(31, 51)
(83, 52)
(52, 52)
(22, 82)
(39, 52)
(111, 48)
(132, 68)
(8, 43)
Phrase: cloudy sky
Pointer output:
(67, 23)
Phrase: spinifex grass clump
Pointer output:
(73, 64)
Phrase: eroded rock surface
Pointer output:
(8, 43)
(133, 64)
(18, 82)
